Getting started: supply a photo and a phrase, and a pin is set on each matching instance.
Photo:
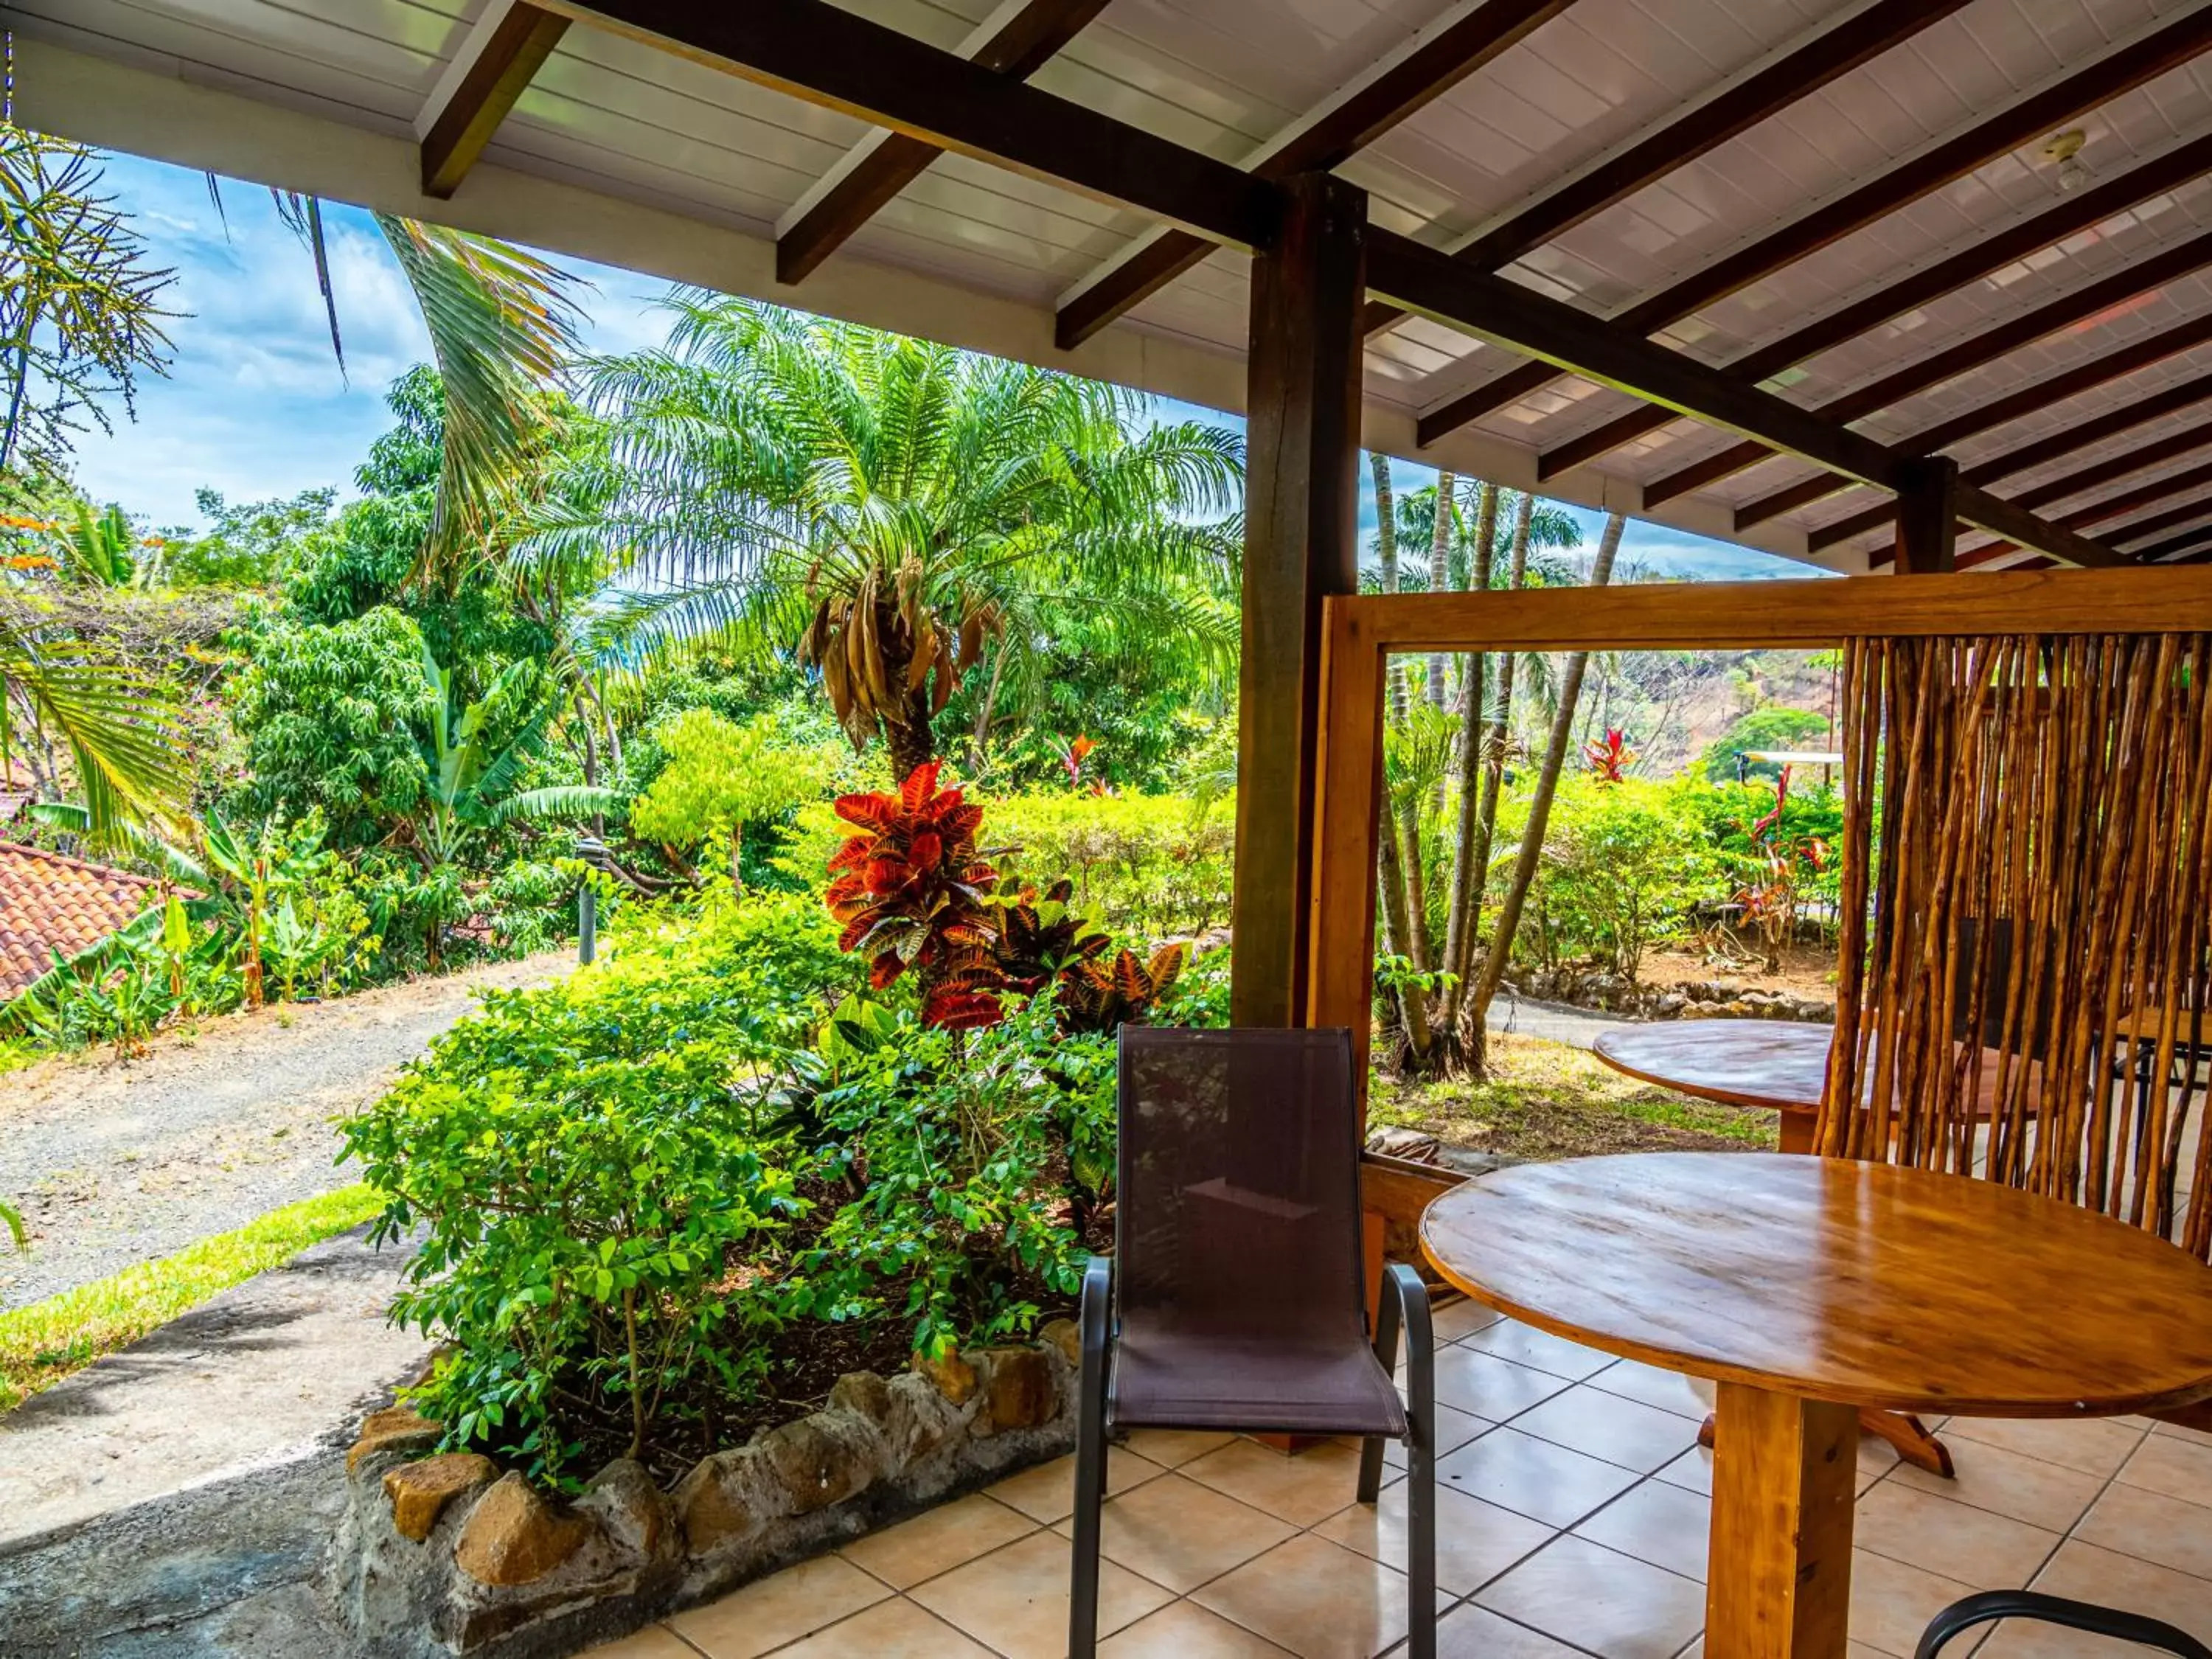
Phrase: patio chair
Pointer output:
(1234, 1297)
(1970, 1610)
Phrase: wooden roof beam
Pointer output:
(1018, 40)
(2130, 282)
(2152, 52)
(2069, 439)
(1429, 65)
(504, 48)
(2068, 216)
(1783, 76)
(813, 50)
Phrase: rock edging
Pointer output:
(441, 1554)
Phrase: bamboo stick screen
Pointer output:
(2028, 859)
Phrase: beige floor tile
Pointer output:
(937, 1540)
(1462, 1318)
(1525, 1345)
(1047, 1492)
(1177, 1533)
(1173, 1448)
(1454, 1428)
(1692, 1471)
(1184, 1630)
(2093, 1445)
(1877, 1458)
(1475, 1632)
(1014, 1601)
(1299, 1489)
(896, 1629)
(2179, 1468)
(780, 1608)
(1656, 1523)
(1981, 1548)
(1317, 1599)
(1892, 1601)
(2086, 1573)
(2151, 1526)
(2007, 1482)
(654, 1642)
(1670, 1391)
(1475, 1540)
(1487, 1386)
(1599, 1601)
(1604, 1425)
(2178, 1431)
(1532, 1477)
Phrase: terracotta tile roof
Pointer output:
(50, 903)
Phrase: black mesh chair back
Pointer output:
(1996, 955)
(1239, 1181)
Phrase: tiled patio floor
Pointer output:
(1573, 1518)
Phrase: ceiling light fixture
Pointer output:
(2063, 149)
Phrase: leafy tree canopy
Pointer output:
(1762, 728)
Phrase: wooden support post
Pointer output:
(1927, 517)
(1783, 1473)
(1301, 542)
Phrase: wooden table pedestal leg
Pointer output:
(1915, 1441)
(1784, 1472)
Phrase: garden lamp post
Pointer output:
(593, 852)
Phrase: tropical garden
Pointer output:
(882, 698)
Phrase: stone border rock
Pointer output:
(442, 1554)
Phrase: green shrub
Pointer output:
(1153, 866)
(1623, 863)
(1762, 728)
(583, 1162)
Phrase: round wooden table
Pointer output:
(1777, 1065)
(1806, 1288)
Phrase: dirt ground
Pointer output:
(111, 1162)
(1546, 1100)
(1807, 970)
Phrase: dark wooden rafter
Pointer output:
(2069, 439)
(2130, 282)
(879, 170)
(1999, 411)
(2072, 213)
(819, 52)
(2188, 480)
(2188, 542)
(506, 48)
(2120, 71)
(1432, 64)
(1767, 89)
(2158, 523)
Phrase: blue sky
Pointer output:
(255, 404)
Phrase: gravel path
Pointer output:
(1555, 1022)
(111, 1165)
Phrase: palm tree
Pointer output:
(119, 731)
(892, 511)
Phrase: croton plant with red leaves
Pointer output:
(912, 893)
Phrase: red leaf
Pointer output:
(962, 1011)
(920, 784)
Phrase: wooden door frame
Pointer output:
(1361, 633)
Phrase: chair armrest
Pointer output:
(1097, 1309)
(1967, 1612)
(1400, 1281)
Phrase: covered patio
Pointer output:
(1910, 289)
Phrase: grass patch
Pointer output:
(1550, 1100)
(45, 1342)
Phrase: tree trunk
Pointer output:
(986, 711)
(1474, 725)
(1440, 571)
(1540, 814)
(1498, 737)
(910, 742)
(1412, 1011)
(1400, 879)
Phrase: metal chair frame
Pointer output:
(1970, 1610)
